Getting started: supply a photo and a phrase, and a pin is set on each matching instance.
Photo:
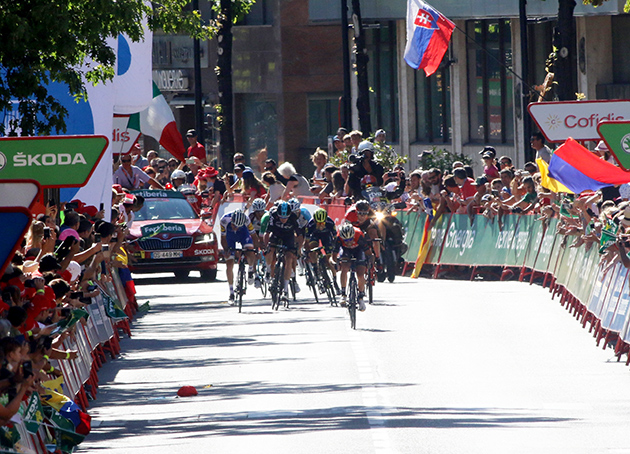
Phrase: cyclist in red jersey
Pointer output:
(361, 215)
(353, 244)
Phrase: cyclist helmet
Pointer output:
(362, 205)
(178, 174)
(284, 211)
(368, 180)
(320, 215)
(346, 231)
(238, 218)
(294, 204)
(258, 205)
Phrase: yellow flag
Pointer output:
(548, 182)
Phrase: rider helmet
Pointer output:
(284, 211)
(239, 218)
(294, 204)
(362, 206)
(258, 205)
(346, 231)
(320, 215)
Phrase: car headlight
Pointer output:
(205, 238)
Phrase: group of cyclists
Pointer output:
(289, 225)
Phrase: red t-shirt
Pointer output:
(197, 151)
(468, 189)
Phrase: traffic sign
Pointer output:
(577, 119)
(19, 193)
(53, 161)
(616, 134)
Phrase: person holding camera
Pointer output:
(363, 165)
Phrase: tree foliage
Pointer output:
(46, 41)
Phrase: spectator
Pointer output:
(151, 155)
(537, 143)
(466, 186)
(489, 167)
(272, 166)
(276, 189)
(195, 149)
(239, 158)
(319, 160)
(253, 188)
(297, 185)
(136, 157)
(364, 166)
(505, 162)
(356, 137)
(152, 173)
(132, 177)
(347, 141)
(530, 167)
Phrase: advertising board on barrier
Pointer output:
(578, 119)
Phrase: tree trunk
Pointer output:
(564, 41)
(363, 86)
(224, 81)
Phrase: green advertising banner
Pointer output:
(616, 134)
(53, 161)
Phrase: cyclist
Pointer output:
(281, 230)
(361, 215)
(322, 229)
(353, 245)
(258, 213)
(236, 228)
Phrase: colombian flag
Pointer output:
(428, 34)
(580, 170)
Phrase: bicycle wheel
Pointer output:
(329, 285)
(310, 279)
(369, 282)
(292, 291)
(240, 283)
(353, 294)
(276, 284)
(261, 273)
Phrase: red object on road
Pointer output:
(187, 391)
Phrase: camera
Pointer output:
(29, 283)
(76, 295)
(97, 237)
(72, 205)
(392, 174)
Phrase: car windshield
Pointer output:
(163, 209)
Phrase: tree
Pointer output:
(362, 58)
(228, 12)
(45, 41)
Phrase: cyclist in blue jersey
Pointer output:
(237, 228)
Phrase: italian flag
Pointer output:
(157, 121)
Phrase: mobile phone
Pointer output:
(52, 203)
(190, 161)
(27, 369)
(46, 233)
(97, 237)
(65, 312)
(72, 206)
(76, 295)
(105, 248)
(392, 174)
(101, 207)
(29, 283)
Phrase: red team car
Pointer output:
(169, 235)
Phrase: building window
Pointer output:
(383, 78)
(433, 106)
(258, 15)
(323, 119)
(490, 84)
(260, 126)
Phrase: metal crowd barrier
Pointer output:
(94, 339)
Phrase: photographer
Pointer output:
(363, 164)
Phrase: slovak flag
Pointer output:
(428, 34)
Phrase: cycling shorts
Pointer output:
(285, 239)
(240, 236)
(358, 253)
(327, 240)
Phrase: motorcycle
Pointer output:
(394, 246)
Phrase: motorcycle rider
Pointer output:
(363, 164)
